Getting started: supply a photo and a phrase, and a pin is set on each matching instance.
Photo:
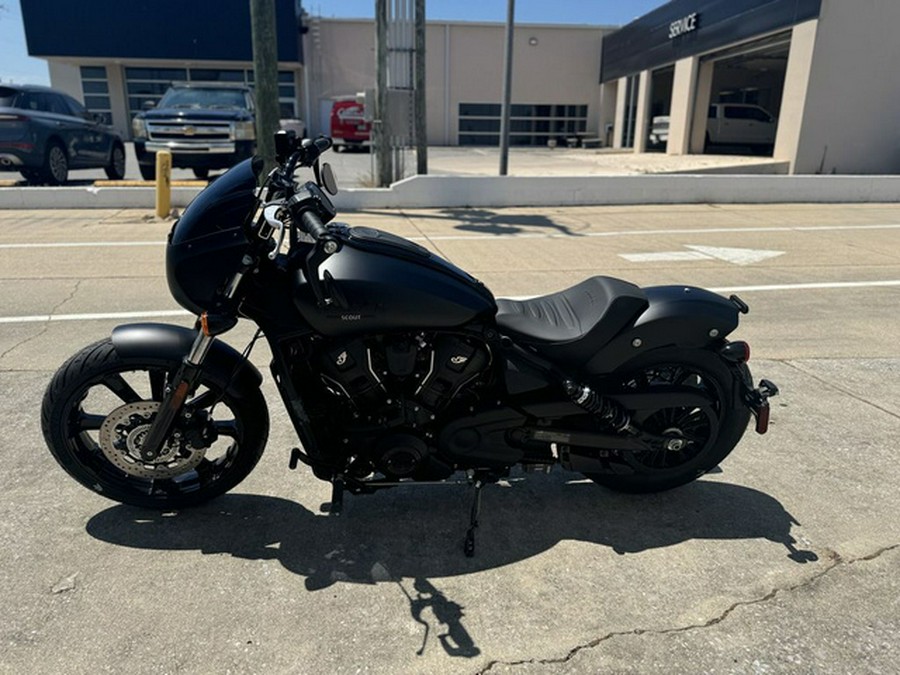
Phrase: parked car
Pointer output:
(349, 127)
(728, 124)
(45, 133)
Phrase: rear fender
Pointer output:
(677, 316)
(158, 341)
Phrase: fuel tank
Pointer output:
(379, 282)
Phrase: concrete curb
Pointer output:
(497, 191)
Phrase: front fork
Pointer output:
(188, 374)
(176, 393)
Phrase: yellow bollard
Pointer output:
(163, 183)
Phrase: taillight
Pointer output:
(736, 352)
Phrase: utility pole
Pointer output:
(380, 126)
(420, 126)
(507, 88)
(265, 77)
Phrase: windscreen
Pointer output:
(203, 98)
(7, 97)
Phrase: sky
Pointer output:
(17, 66)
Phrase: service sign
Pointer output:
(687, 24)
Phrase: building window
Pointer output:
(95, 92)
(529, 124)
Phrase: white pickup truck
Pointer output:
(728, 124)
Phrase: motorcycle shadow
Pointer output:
(417, 533)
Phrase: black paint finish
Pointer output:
(144, 29)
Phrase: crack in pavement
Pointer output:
(836, 562)
(46, 325)
(857, 397)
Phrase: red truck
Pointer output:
(349, 127)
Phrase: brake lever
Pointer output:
(269, 213)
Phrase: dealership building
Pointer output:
(822, 69)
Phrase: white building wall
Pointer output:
(65, 77)
(853, 95)
(464, 64)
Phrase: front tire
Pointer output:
(99, 406)
(703, 436)
(115, 170)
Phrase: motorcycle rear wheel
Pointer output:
(99, 406)
(706, 434)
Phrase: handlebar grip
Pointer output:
(313, 225)
(313, 147)
(322, 143)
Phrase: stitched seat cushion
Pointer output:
(574, 323)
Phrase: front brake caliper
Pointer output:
(758, 402)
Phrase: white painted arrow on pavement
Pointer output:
(736, 256)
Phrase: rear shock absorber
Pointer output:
(609, 412)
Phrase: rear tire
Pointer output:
(709, 434)
(56, 165)
(99, 406)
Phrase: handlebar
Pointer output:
(313, 225)
(291, 152)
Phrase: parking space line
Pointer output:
(151, 314)
(517, 235)
(84, 244)
(39, 318)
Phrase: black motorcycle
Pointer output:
(394, 365)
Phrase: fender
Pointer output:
(171, 343)
(677, 316)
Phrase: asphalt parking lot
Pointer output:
(787, 559)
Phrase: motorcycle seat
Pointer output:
(573, 324)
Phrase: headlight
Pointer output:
(138, 127)
(244, 131)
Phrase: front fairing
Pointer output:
(208, 242)
(226, 203)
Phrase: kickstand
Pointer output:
(337, 496)
(469, 544)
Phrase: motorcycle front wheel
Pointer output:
(99, 406)
(698, 437)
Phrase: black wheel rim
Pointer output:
(689, 431)
(91, 405)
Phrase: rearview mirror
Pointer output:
(329, 182)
